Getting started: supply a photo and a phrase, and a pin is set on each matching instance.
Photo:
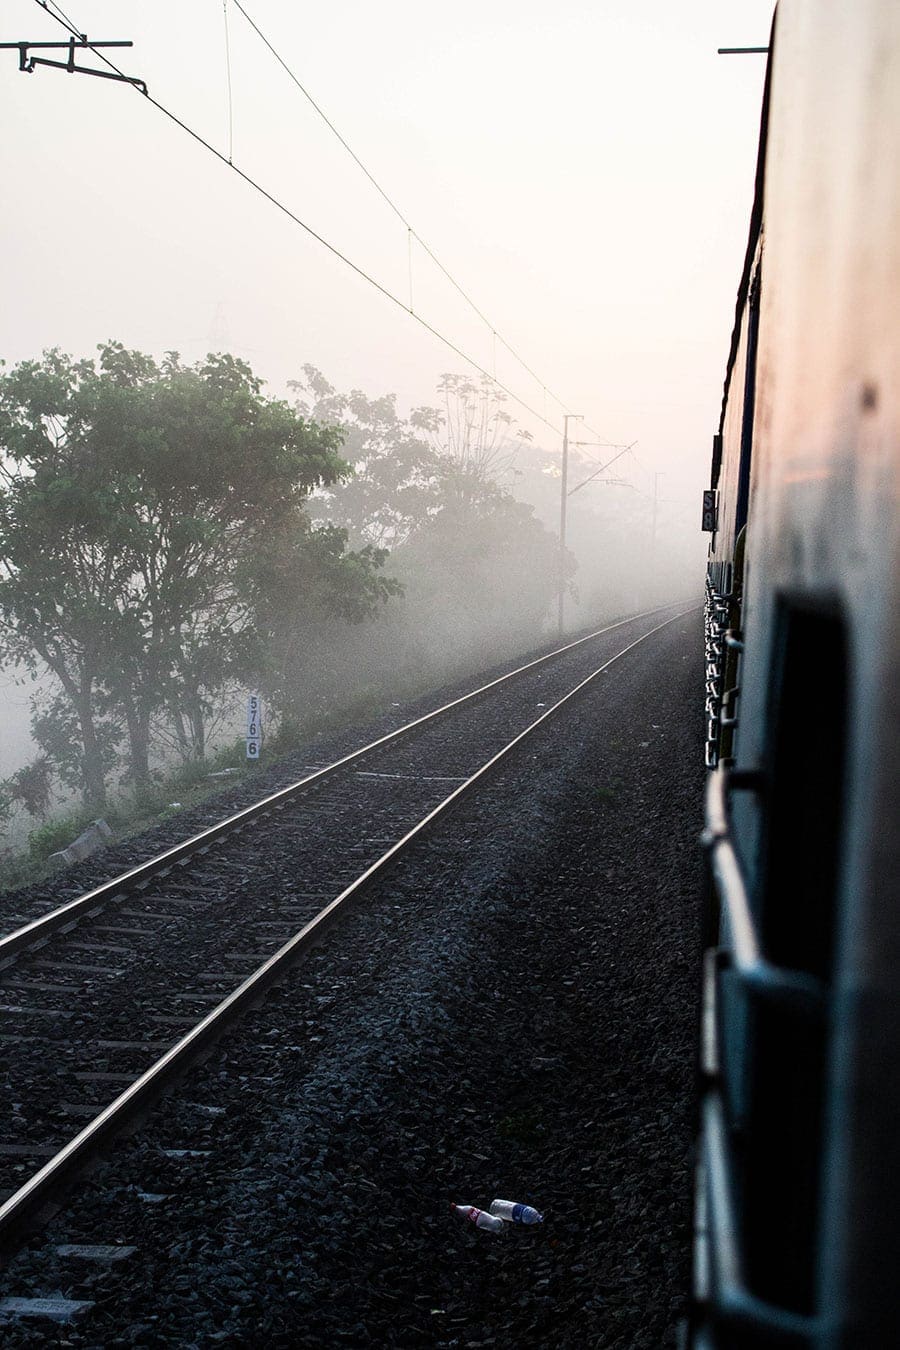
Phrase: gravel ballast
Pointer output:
(512, 1014)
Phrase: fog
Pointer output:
(585, 174)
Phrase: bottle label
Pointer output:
(517, 1213)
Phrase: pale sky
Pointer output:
(583, 168)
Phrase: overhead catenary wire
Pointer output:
(61, 17)
(602, 469)
(336, 252)
(49, 6)
(497, 336)
(412, 234)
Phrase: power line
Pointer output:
(61, 17)
(412, 233)
(401, 216)
(623, 450)
(354, 267)
(67, 23)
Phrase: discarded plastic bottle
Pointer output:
(515, 1213)
(479, 1218)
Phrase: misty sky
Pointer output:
(584, 169)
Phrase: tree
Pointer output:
(478, 568)
(30, 787)
(436, 490)
(396, 472)
(59, 579)
(132, 494)
(407, 472)
(300, 581)
(483, 569)
(472, 432)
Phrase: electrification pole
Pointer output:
(562, 517)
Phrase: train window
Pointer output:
(796, 904)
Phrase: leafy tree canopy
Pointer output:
(132, 493)
(435, 489)
(395, 485)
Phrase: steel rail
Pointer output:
(38, 929)
(46, 1185)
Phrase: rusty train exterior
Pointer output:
(797, 1205)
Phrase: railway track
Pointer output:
(117, 992)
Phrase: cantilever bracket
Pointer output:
(28, 63)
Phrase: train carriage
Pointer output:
(797, 1215)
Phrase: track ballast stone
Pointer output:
(511, 1014)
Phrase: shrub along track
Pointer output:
(481, 1029)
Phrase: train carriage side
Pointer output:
(798, 1213)
(727, 501)
(730, 470)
